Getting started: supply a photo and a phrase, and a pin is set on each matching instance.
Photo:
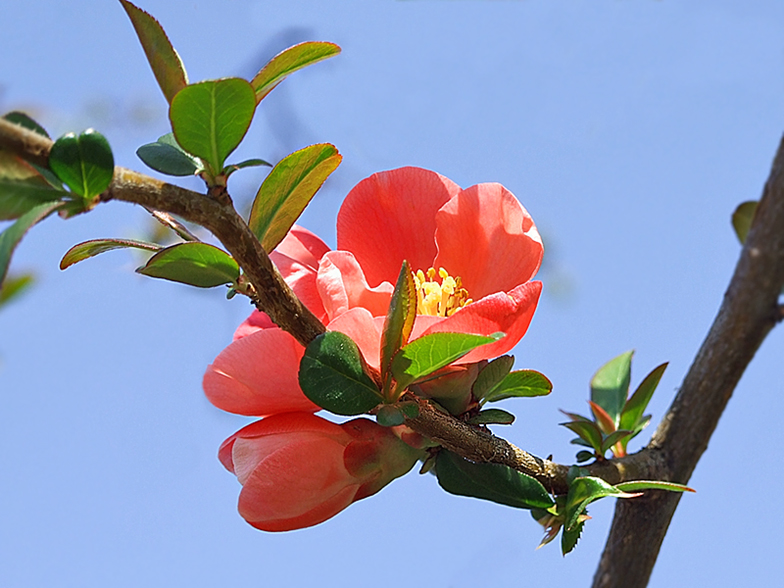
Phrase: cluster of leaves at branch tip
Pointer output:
(209, 120)
(617, 417)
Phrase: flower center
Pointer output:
(442, 299)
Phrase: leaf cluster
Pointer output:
(617, 417)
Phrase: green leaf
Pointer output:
(492, 416)
(232, 167)
(18, 196)
(603, 420)
(652, 485)
(288, 189)
(193, 263)
(331, 375)
(491, 375)
(399, 321)
(635, 407)
(610, 385)
(211, 118)
(569, 538)
(588, 431)
(23, 120)
(742, 218)
(613, 438)
(583, 456)
(287, 62)
(520, 384)
(167, 157)
(489, 481)
(14, 286)
(95, 247)
(83, 162)
(11, 236)
(390, 416)
(431, 352)
(164, 60)
(583, 491)
(410, 409)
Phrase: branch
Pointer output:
(749, 311)
(273, 296)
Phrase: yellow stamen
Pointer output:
(442, 299)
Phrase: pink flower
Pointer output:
(481, 234)
(298, 470)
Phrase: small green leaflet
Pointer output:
(520, 384)
(23, 120)
(196, 264)
(288, 189)
(492, 416)
(331, 375)
(95, 247)
(491, 375)
(634, 408)
(287, 62)
(167, 157)
(83, 162)
(22, 187)
(14, 286)
(164, 60)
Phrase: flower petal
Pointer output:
(258, 375)
(364, 329)
(342, 286)
(486, 237)
(510, 313)
(389, 217)
(303, 246)
(293, 471)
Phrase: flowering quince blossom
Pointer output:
(479, 242)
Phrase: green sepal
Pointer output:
(489, 481)
(165, 62)
(742, 219)
(520, 384)
(287, 62)
(390, 415)
(88, 249)
(492, 416)
(491, 375)
(610, 385)
(332, 375)
(430, 353)
(210, 119)
(288, 189)
(83, 162)
(13, 234)
(399, 321)
(167, 157)
(193, 263)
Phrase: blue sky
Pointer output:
(630, 130)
